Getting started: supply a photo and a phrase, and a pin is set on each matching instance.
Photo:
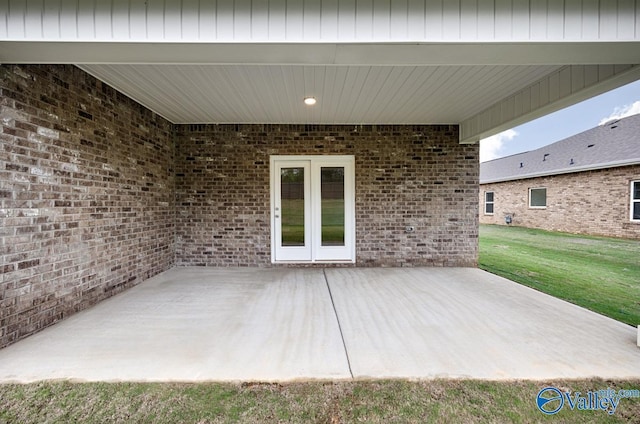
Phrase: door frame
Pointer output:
(316, 162)
(297, 253)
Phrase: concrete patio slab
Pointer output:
(467, 323)
(193, 324)
(217, 324)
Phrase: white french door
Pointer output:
(312, 209)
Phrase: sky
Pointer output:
(618, 103)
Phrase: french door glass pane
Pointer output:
(332, 205)
(292, 202)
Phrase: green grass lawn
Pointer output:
(388, 401)
(598, 273)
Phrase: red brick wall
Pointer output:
(86, 195)
(594, 202)
(405, 175)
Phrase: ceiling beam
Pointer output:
(396, 54)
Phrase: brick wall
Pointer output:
(594, 202)
(405, 175)
(97, 193)
(86, 195)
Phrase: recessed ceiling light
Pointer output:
(310, 101)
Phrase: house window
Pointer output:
(635, 201)
(488, 203)
(538, 198)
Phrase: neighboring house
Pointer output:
(588, 183)
(140, 135)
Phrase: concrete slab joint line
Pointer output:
(346, 351)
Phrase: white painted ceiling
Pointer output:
(346, 94)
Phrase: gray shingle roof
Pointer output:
(617, 143)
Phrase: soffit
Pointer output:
(485, 87)
(346, 94)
